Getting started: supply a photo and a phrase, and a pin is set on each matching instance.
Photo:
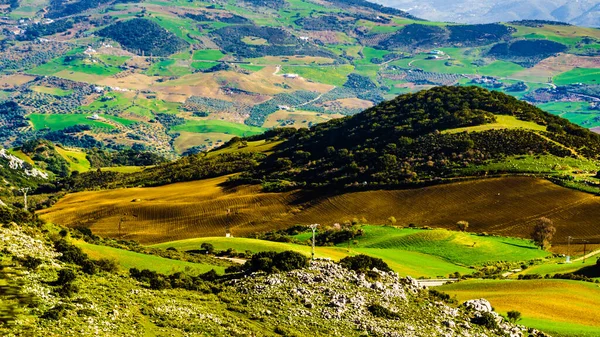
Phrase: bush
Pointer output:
(364, 263)
(487, 319)
(272, 262)
(107, 265)
(65, 276)
(383, 312)
(70, 253)
(513, 316)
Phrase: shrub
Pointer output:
(65, 276)
(364, 263)
(487, 319)
(107, 265)
(513, 316)
(383, 312)
(271, 262)
(70, 253)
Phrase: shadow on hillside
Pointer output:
(520, 246)
(589, 271)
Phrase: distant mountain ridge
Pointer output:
(580, 12)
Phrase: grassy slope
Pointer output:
(502, 122)
(128, 259)
(559, 307)
(77, 159)
(404, 262)
(59, 122)
(204, 126)
(504, 206)
(456, 247)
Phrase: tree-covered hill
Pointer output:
(403, 141)
(144, 37)
(408, 140)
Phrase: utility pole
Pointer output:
(569, 249)
(314, 229)
(25, 190)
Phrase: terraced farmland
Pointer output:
(504, 206)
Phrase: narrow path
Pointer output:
(232, 259)
(314, 100)
(596, 252)
(435, 282)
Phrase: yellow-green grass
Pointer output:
(579, 75)
(290, 60)
(128, 259)
(255, 41)
(500, 69)
(84, 66)
(202, 65)
(113, 100)
(404, 262)
(370, 53)
(251, 67)
(456, 247)
(558, 266)
(112, 60)
(77, 159)
(559, 307)
(52, 91)
(218, 126)
(123, 169)
(503, 206)
(209, 140)
(502, 122)
(60, 122)
(261, 146)
(19, 154)
(334, 75)
(168, 68)
(297, 118)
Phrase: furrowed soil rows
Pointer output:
(503, 206)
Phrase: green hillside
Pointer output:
(178, 70)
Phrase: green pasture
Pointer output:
(128, 259)
(205, 126)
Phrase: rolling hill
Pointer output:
(180, 77)
(417, 158)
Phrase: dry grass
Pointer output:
(297, 119)
(556, 65)
(10, 81)
(505, 206)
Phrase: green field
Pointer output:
(168, 68)
(579, 75)
(77, 159)
(202, 65)
(455, 247)
(334, 75)
(207, 55)
(415, 252)
(127, 259)
(558, 307)
(206, 126)
(78, 64)
(52, 91)
(60, 122)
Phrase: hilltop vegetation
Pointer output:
(261, 63)
(143, 36)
